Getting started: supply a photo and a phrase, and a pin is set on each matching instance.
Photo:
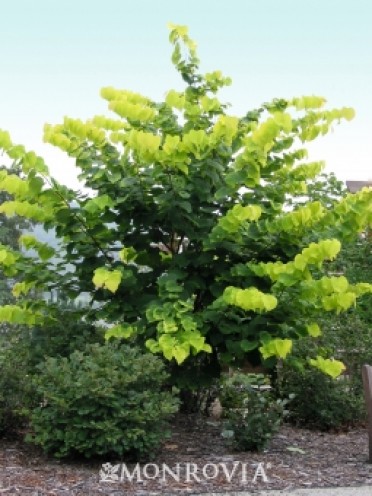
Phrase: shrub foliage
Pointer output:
(108, 400)
(253, 415)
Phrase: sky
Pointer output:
(55, 55)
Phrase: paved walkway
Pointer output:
(321, 491)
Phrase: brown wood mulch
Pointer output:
(296, 458)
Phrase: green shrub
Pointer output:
(22, 349)
(321, 402)
(65, 333)
(107, 400)
(252, 414)
(349, 337)
(16, 392)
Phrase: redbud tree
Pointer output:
(194, 235)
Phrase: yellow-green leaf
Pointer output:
(104, 278)
(328, 366)
(276, 347)
(127, 255)
(314, 330)
(119, 331)
(175, 99)
(249, 299)
(5, 141)
(180, 353)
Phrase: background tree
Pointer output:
(201, 237)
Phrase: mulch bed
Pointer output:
(296, 458)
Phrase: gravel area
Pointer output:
(195, 460)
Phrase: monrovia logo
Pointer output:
(185, 472)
